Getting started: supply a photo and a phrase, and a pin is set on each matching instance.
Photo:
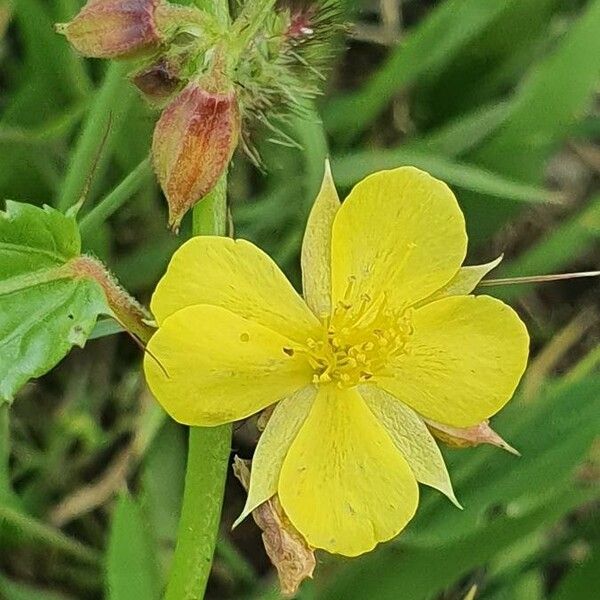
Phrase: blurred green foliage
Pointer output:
(497, 98)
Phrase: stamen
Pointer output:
(359, 340)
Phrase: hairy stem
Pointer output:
(208, 459)
(126, 310)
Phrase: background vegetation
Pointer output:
(497, 98)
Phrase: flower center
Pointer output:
(359, 339)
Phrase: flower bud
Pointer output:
(301, 24)
(193, 143)
(158, 81)
(113, 28)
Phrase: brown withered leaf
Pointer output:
(287, 549)
(478, 434)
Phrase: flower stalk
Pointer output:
(209, 448)
(208, 461)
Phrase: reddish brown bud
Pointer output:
(301, 24)
(469, 436)
(193, 143)
(113, 28)
(158, 81)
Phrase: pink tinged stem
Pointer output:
(126, 310)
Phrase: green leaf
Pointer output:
(577, 235)
(28, 530)
(487, 481)
(47, 78)
(104, 328)
(421, 573)
(162, 478)
(44, 311)
(131, 565)
(433, 44)
(465, 132)
(582, 579)
(548, 103)
(351, 168)
(505, 499)
(489, 65)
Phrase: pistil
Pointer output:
(359, 340)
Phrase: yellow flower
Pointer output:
(385, 337)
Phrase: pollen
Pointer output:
(360, 339)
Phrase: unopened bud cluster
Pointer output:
(209, 79)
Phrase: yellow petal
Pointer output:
(411, 436)
(465, 281)
(344, 485)
(399, 232)
(238, 276)
(464, 360)
(209, 366)
(316, 247)
(273, 445)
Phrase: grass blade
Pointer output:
(351, 168)
(429, 47)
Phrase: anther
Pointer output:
(349, 287)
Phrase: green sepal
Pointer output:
(44, 309)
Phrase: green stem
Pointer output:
(5, 486)
(113, 201)
(107, 106)
(210, 215)
(208, 460)
(209, 448)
